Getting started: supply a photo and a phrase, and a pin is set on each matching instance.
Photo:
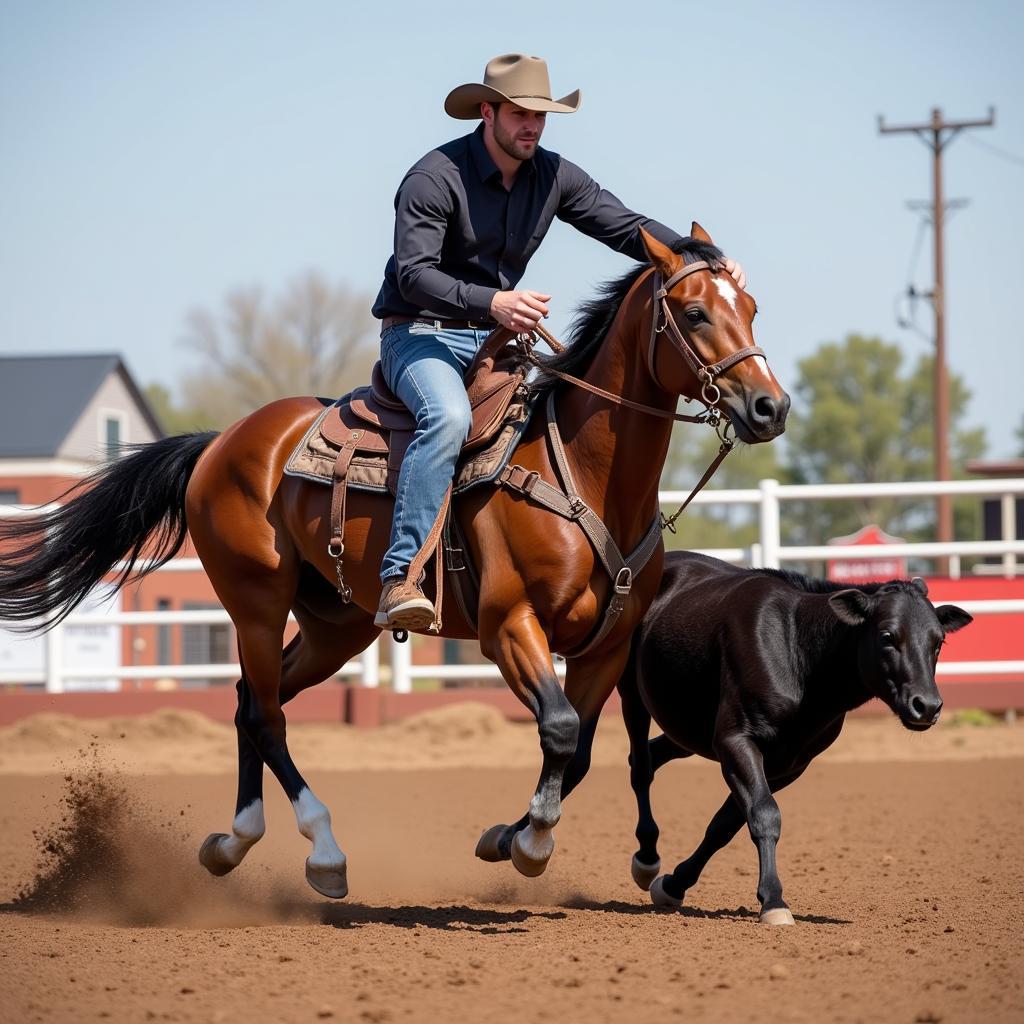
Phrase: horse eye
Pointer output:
(695, 316)
(887, 639)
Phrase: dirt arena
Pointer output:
(901, 858)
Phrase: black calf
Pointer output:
(757, 668)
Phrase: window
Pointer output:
(205, 644)
(10, 496)
(163, 633)
(113, 437)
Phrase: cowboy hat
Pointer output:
(510, 78)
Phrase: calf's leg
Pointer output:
(750, 801)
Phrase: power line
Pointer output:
(1004, 154)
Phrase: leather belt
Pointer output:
(440, 325)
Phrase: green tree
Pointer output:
(858, 417)
(314, 339)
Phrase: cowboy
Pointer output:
(468, 217)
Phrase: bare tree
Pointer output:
(317, 339)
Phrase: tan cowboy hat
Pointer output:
(510, 78)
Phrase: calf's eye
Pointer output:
(887, 639)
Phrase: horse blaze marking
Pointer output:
(726, 290)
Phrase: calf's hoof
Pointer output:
(489, 846)
(776, 917)
(644, 874)
(329, 880)
(531, 851)
(661, 899)
(210, 855)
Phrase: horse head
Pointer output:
(899, 637)
(702, 342)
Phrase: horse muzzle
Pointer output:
(757, 417)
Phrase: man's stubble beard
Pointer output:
(508, 143)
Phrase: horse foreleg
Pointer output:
(522, 654)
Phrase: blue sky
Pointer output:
(157, 155)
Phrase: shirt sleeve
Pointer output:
(422, 209)
(601, 215)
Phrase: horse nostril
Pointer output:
(766, 409)
(918, 707)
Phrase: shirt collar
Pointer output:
(485, 165)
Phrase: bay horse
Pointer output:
(262, 537)
(757, 669)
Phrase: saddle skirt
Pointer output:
(374, 429)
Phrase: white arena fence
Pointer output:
(768, 499)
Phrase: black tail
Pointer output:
(49, 562)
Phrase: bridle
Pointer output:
(663, 322)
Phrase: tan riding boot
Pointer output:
(404, 606)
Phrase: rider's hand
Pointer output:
(736, 272)
(519, 311)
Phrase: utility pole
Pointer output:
(936, 135)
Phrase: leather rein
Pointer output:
(663, 322)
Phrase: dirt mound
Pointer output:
(456, 722)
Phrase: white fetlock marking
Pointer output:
(778, 916)
(247, 830)
(314, 822)
(537, 844)
(662, 899)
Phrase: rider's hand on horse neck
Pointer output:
(736, 272)
(519, 310)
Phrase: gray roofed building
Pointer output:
(70, 407)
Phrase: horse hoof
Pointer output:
(328, 881)
(531, 851)
(488, 846)
(778, 916)
(661, 899)
(210, 856)
(644, 874)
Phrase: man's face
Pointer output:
(518, 131)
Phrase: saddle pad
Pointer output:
(313, 458)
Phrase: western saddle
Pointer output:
(373, 422)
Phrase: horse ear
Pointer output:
(696, 231)
(850, 606)
(952, 618)
(661, 256)
(921, 585)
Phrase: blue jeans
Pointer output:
(424, 367)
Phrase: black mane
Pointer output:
(593, 319)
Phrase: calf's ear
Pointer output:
(850, 606)
(952, 618)
(920, 584)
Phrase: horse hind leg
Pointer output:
(222, 853)
(319, 650)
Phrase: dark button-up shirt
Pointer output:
(461, 236)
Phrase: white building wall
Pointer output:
(87, 439)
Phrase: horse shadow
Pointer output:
(443, 918)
